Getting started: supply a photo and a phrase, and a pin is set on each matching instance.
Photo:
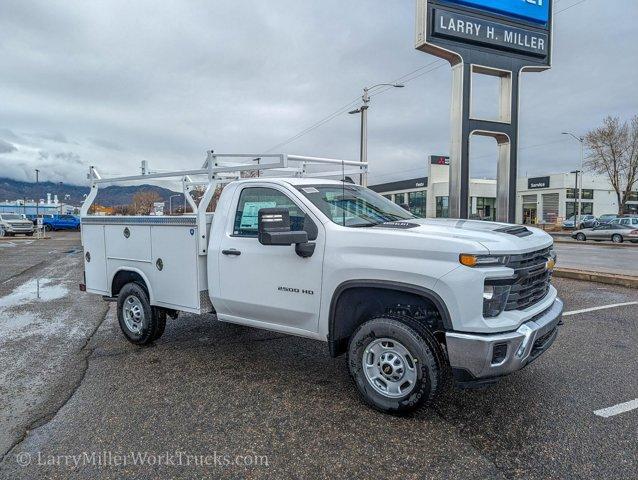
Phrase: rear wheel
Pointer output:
(581, 237)
(617, 238)
(141, 324)
(394, 364)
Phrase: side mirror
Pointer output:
(274, 229)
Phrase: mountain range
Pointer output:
(74, 194)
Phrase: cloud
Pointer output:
(113, 83)
(6, 147)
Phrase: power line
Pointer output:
(570, 6)
(406, 78)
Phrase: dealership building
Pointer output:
(543, 199)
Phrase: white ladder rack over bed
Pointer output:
(220, 168)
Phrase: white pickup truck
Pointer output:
(409, 300)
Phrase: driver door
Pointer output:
(268, 285)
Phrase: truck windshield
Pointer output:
(353, 206)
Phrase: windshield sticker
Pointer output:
(310, 190)
(250, 214)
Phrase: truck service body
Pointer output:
(408, 299)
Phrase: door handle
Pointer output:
(232, 251)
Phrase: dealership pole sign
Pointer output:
(498, 38)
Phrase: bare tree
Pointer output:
(123, 210)
(613, 151)
(198, 192)
(143, 202)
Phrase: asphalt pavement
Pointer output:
(618, 260)
(217, 400)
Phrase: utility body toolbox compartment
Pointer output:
(163, 250)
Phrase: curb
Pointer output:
(22, 239)
(598, 277)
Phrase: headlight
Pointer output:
(483, 260)
(494, 299)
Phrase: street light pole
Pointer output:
(170, 202)
(578, 193)
(37, 188)
(363, 110)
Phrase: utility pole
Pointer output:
(576, 199)
(170, 203)
(578, 194)
(37, 200)
(363, 110)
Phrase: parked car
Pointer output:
(609, 231)
(627, 221)
(12, 224)
(60, 222)
(606, 218)
(585, 221)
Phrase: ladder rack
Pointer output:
(221, 168)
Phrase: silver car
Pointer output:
(12, 224)
(615, 232)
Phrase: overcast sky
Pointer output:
(110, 83)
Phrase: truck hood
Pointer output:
(498, 238)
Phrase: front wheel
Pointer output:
(141, 323)
(581, 237)
(616, 238)
(394, 365)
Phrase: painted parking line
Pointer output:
(617, 409)
(603, 307)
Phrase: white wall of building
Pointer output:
(550, 203)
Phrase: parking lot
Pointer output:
(77, 396)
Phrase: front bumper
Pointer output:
(18, 228)
(480, 356)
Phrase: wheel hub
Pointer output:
(133, 314)
(389, 368)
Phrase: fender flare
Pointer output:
(388, 285)
(151, 297)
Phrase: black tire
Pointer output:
(424, 359)
(150, 325)
(617, 238)
(581, 237)
(160, 318)
(77, 228)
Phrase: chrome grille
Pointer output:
(532, 279)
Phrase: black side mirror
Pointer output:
(274, 229)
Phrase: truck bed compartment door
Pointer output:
(95, 259)
(174, 266)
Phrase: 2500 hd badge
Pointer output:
(295, 290)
